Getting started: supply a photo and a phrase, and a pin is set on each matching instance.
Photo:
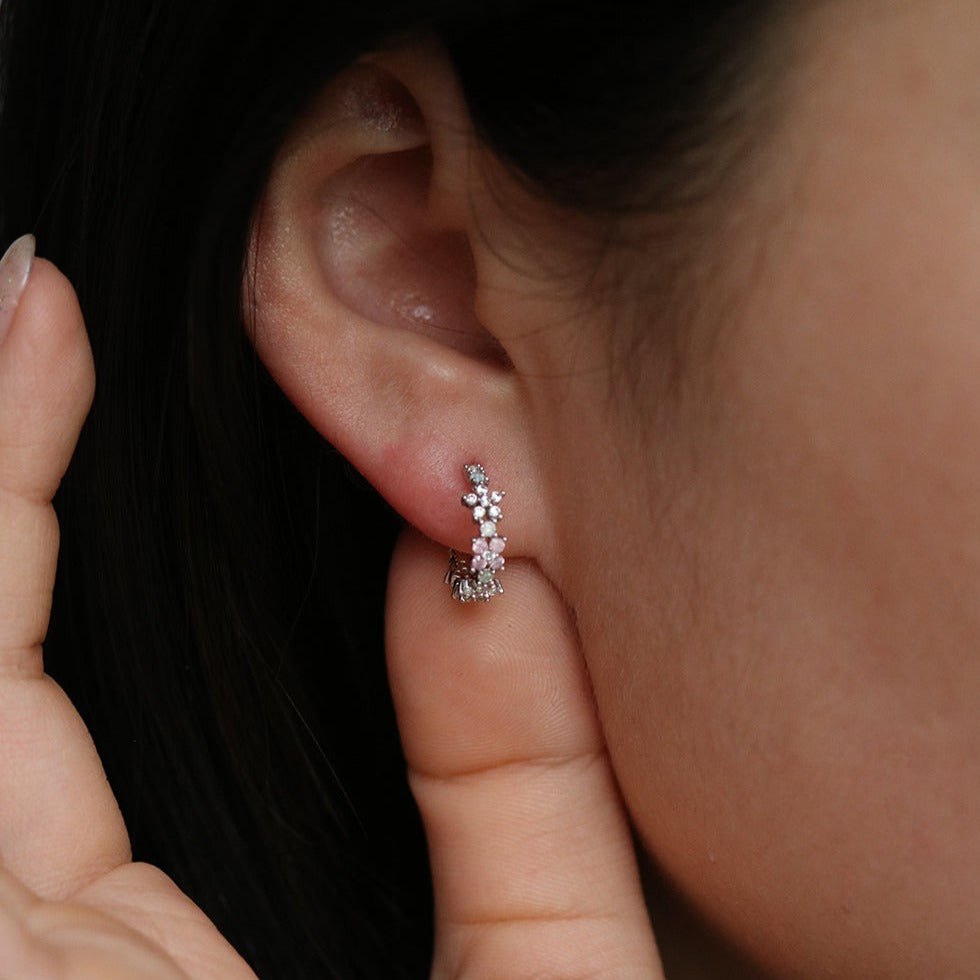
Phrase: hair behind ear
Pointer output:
(614, 107)
(231, 673)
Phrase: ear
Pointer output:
(363, 290)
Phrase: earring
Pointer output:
(476, 580)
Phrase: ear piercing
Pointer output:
(476, 580)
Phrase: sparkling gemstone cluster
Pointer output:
(477, 581)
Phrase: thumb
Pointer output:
(532, 859)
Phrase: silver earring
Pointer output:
(474, 579)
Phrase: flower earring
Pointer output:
(476, 580)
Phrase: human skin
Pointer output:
(755, 490)
(775, 565)
(525, 885)
(765, 519)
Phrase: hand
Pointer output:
(72, 903)
(532, 859)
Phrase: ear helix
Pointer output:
(478, 581)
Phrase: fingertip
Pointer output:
(414, 559)
(417, 604)
(49, 312)
(477, 685)
(47, 383)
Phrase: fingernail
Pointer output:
(15, 270)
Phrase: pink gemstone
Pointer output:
(496, 563)
(497, 545)
(478, 563)
(479, 546)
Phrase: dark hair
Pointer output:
(217, 617)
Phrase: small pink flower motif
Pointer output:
(487, 554)
(487, 561)
(495, 546)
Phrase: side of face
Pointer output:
(772, 545)
(776, 570)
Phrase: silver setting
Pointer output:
(473, 578)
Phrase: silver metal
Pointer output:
(473, 578)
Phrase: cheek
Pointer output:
(784, 636)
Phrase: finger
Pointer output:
(532, 859)
(59, 823)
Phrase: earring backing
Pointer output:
(476, 580)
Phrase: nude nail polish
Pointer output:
(15, 270)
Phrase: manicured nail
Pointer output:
(15, 270)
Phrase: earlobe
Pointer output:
(361, 296)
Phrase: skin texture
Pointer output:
(762, 510)
(760, 521)
(72, 902)
(782, 619)
(515, 869)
